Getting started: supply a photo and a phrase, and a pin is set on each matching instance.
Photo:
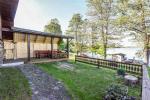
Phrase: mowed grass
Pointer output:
(13, 85)
(86, 82)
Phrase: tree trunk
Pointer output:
(146, 39)
(146, 50)
(104, 42)
(105, 51)
(76, 37)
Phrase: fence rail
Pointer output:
(131, 68)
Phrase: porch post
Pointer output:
(67, 48)
(1, 42)
(15, 50)
(52, 47)
(28, 46)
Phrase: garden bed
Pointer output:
(86, 82)
(13, 85)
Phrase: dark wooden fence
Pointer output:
(131, 68)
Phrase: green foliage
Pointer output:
(134, 16)
(62, 45)
(76, 20)
(116, 92)
(74, 29)
(72, 47)
(75, 25)
(97, 48)
(53, 27)
(121, 72)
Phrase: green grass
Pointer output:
(13, 85)
(86, 82)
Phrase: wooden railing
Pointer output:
(131, 68)
(145, 84)
(47, 54)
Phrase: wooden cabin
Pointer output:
(16, 43)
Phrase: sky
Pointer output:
(35, 14)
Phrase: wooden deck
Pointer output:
(36, 61)
(145, 85)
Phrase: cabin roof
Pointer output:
(28, 31)
(8, 10)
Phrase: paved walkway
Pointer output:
(44, 87)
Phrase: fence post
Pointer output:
(75, 58)
(98, 63)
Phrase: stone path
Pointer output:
(65, 66)
(44, 86)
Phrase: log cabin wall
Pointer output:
(17, 48)
(1, 42)
(8, 49)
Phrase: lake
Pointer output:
(130, 52)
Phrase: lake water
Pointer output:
(129, 52)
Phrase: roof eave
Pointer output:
(27, 31)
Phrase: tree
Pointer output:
(74, 28)
(134, 16)
(53, 27)
(84, 36)
(62, 45)
(100, 10)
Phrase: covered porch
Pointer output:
(31, 46)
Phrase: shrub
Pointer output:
(121, 72)
(116, 92)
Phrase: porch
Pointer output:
(29, 46)
(33, 60)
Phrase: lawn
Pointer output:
(86, 82)
(13, 85)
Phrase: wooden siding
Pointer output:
(21, 49)
(8, 48)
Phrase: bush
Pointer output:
(121, 72)
(116, 92)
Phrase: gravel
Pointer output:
(44, 86)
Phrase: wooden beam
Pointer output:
(67, 47)
(24, 38)
(28, 46)
(36, 38)
(15, 50)
(7, 23)
(44, 39)
(52, 47)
